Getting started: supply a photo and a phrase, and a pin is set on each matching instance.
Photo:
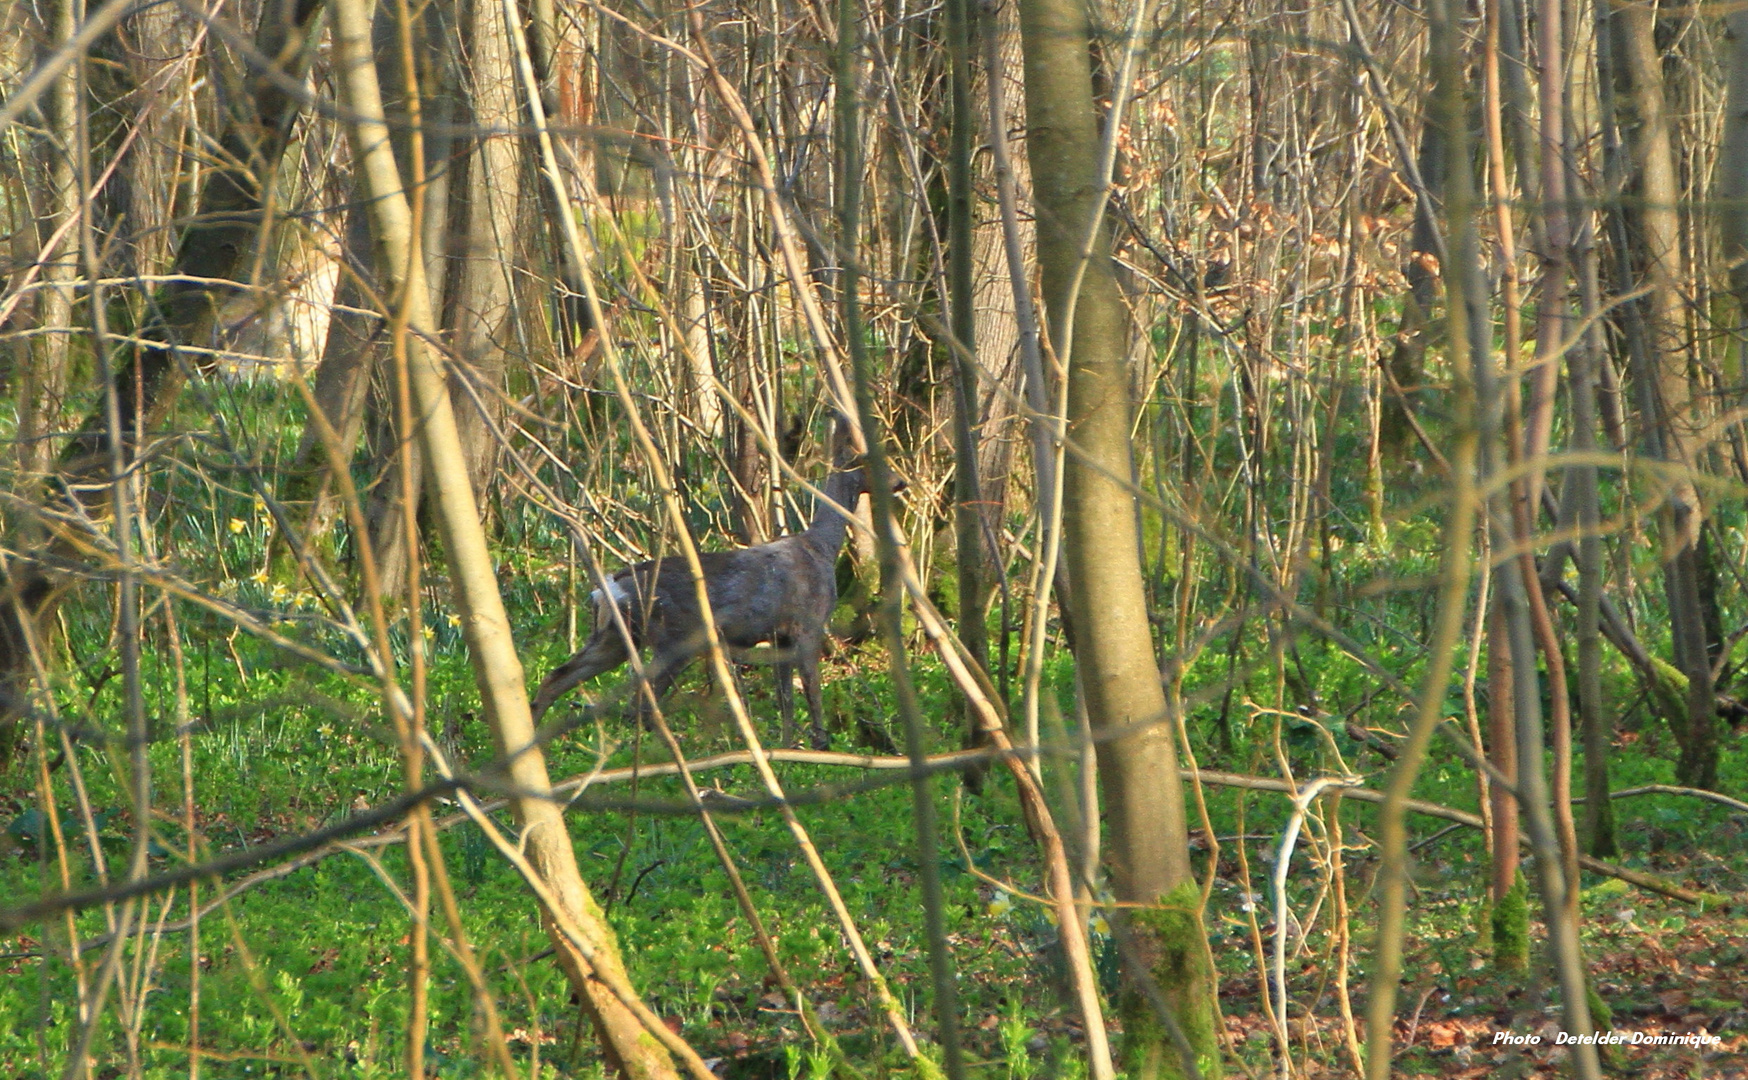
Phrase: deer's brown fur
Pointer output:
(779, 594)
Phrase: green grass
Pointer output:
(311, 966)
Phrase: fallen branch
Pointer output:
(1648, 882)
(312, 848)
(1671, 789)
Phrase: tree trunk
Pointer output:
(693, 284)
(217, 245)
(342, 382)
(485, 624)
(392, 499)
(42, 385)
(1582, 365)
(220, 239)
(484, 297)
(1510, 914)
(1660, 370)
(567, 88)
(1733, 164)
(997, 323)
(1022, 374)
(1518, 608)
(1406, 366)
(1113, 645)
(968, 514)
(1555, 234)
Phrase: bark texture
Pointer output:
(216, 246)
(1113, 646)
(486, 220)
(485, 624)
(42, 384)
(1733, 164)
(1668, 411)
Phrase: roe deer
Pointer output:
(780, 593)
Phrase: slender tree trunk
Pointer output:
(1733, 165)
(998, 337)
(1582, 480)
(1018, 236)
(1665, 692)
(1519, 113)
(42, 389)
(485, 624)
(567, 88)
(349, 357)
(848, 137)
(998, 334)
(392, 499)
(1406, 367)
(217, 245)
(1555, 234)
(969, 521)
(1517, 608)
(693, 309)
(1510, 914)
(1667, 405)
(1113, 645)
(488, 209)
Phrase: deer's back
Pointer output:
(771, 592)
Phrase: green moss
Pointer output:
(1171, 937)
(924, 1066)
(1601, 1016)
(1511, 928)
(1599, 838)
(1669, 692)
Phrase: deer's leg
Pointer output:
(785, 676)
(660, 675)
(603, 652)
(808, 661)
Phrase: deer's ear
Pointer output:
(843, 442)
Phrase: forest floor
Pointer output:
(1661, 967)
(310, 966)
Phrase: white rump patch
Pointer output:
(616, 589)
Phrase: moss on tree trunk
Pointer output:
(1176, 956)
(1511, 928)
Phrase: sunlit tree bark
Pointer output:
(970, 522)
(342, 378)
(392, 447)
(625, 1043)
(1113, 645)
(487, 211)
(1733, 163)
(214, 251)
(42, 383)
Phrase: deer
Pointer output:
(779, 594)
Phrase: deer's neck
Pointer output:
(828, 527)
